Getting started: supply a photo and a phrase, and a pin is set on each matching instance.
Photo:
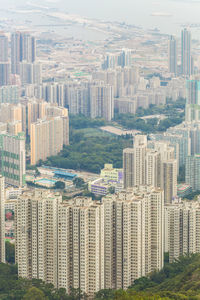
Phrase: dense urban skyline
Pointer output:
(99, 144)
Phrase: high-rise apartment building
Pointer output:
(3, 48)
(36, 235)
(27, 47)
(182, 230)
(186, 52)
(172, 55)
(2, 220)
(60, 243)
(30, 73)
(102, 102)
(13, 159)
(4, 73)
(47, 137)
(9, 94)
(88, 244)
(178, 139)
(192, 172)
(15, 52)
(169, 179)
(133, 242)
(134, 162)
(110, 62)
(13, 113)
(150, 164)
(193, 100)
(23, 48)
(124, 59)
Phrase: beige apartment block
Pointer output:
(182, 229)
(89, 244)
(134, 235)
(60, 242)
(151, 163)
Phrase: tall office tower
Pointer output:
(133, 242)
(4, 73)
(2, 220)
(47, 137)
(36, 235)
(186, 52)
(134, 162)
(102, 102)
(169, 180)
(30, 73)
(172, 55)
(3, 48)
(182, 231)
(61, 243)
(23, 48)
(9, 94)
(13, 159)
(193, 100)
(192, 171)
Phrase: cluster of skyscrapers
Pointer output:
(107, 244)
(22, 60)
(187, 67)
(89, 244)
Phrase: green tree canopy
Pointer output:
(34, 294)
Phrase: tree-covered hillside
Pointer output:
(179, 280)
(14, 288)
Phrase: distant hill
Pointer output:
(179, 280)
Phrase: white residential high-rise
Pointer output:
(81, 245)
(169, 180)
(182, 230)
(48, 137)
(89, 244)
(36, 235)
(60, 243)
(134, 162)
(102, 101)
(133, 244)
(152, 164)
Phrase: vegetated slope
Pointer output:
(179, 280)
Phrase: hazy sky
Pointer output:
(138, 12)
